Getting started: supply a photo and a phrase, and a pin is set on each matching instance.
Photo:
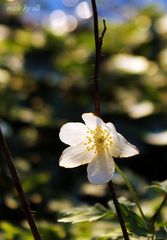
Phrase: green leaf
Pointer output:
(161, 224)
(84, 214)
(161, 234)
(135, 223)
(160, 186)
(122, 200)
(10, 231)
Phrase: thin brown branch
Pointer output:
(118, 211)
(102, 34)
(98, 47)
(18, 186)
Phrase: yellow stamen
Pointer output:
(99, 140)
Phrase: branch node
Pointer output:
(103, 32)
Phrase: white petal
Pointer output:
(92, 121)
(127, 149)
(111, 127)
(101, 169)
(76, 156)
(115, 149)
(73, 133)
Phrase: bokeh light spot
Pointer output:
(61, 23)
(83, 10)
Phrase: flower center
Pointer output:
(98, 140)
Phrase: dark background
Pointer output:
(46, 81)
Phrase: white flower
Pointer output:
(95, 143)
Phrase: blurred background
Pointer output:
(46, 69)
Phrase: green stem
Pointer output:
(154, 217)
(132, 192)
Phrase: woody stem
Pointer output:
(98, 47)
(19, 188)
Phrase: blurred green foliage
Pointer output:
(45, 81)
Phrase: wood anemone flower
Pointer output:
(94, 143)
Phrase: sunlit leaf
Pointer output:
(84, 214)
(12, 232)
(160, 186)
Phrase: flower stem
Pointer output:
(118, 211)
(98, 47)
(154, 217)
(18, 186)
(133, 194)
